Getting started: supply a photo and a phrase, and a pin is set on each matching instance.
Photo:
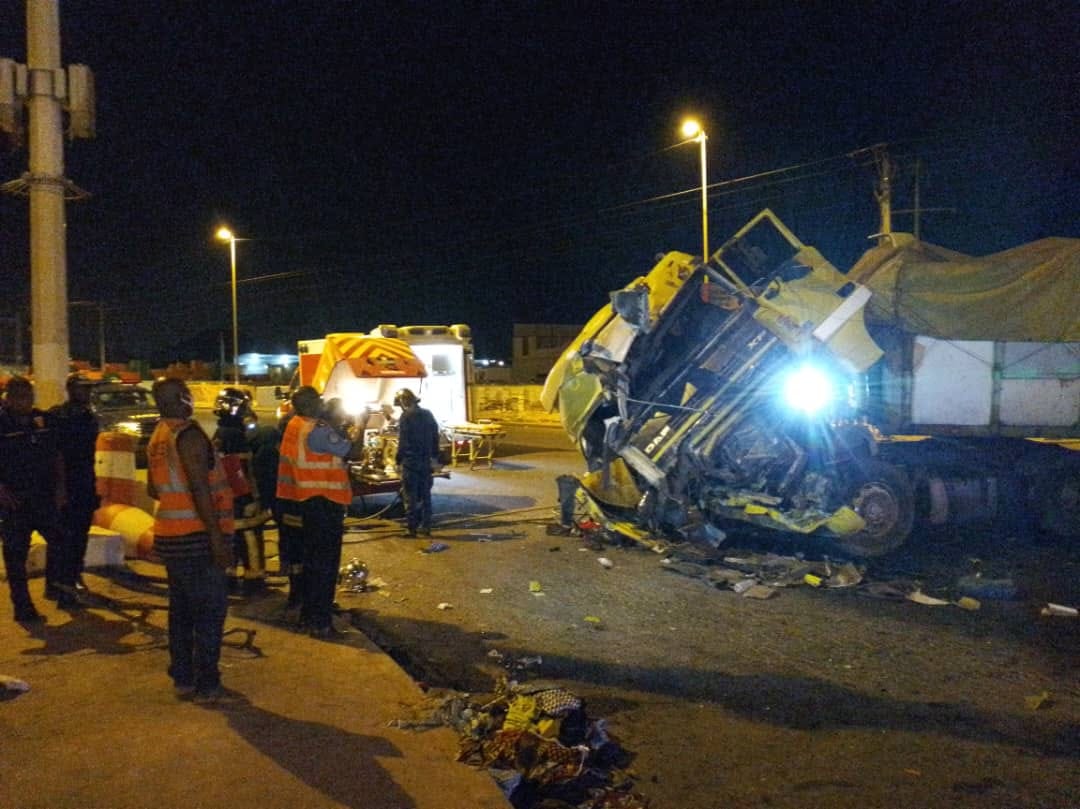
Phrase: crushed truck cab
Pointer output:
(765, 386)
(709, 393)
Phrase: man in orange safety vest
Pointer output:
(193, 528)
(314, 491)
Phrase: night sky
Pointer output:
(492, 163)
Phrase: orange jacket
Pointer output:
(176, 515)
(303, 474)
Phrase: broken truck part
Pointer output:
(737, 391)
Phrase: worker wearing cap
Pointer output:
(76, 428)
(417, 457)
(31, 494)
(313, 491)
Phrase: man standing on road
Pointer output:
(31, 495)
(417, 457)
(314, 491)
(193, 530)
(76, 429)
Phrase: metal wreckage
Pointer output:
(737, 390)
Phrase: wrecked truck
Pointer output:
(736, 391)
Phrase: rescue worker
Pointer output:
(31, 495)
(193, 529)
(417, 457)
(234, 414)
(76, 428)
(313, 491)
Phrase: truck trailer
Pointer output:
(753, 388)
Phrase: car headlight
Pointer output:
(127, 428)
(808, 390)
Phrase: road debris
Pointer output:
(353, 576)
(12, 686)
(537, 742)
(1037, 701)
(760, 592)
(1059, 610)
(605, 562)
(919, 597)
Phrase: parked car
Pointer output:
(125, 408)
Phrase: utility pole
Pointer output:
(46, 89)
(886, 170)
(883, 192)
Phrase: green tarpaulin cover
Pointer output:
(1026, 293)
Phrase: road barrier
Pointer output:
(114, 467)
(134, 525)
(121, 494)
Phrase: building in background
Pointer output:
(536, 347)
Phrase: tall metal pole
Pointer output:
(48, 246)
(235, 332)
(704, 200)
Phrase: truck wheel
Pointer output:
(883, 497)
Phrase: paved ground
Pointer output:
(812, 698)
(305, 724)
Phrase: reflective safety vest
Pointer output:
(303, 474)
(176, 515)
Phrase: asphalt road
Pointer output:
(811, 698)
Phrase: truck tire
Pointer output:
(882, 495)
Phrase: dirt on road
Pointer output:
(814, 697)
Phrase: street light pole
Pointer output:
(226, 235)
(692, 131)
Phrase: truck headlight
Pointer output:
(808, 389)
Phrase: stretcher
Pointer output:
(475, 442)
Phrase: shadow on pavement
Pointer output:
(338, 763)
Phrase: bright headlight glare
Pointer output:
(808, 390)
(128, 427)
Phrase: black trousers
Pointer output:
(75, 519)
(324, 526)
(198, 603)
(15, 531)
(416, 492)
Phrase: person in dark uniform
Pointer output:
(417, 457)
(31, 495)
(76, 429)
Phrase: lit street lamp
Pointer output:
(692, 131)
(226, 235)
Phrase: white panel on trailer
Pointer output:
(952, 382)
